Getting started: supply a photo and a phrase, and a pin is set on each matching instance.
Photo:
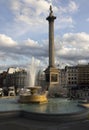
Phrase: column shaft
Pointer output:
(51, 43)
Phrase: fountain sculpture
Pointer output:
(33, 96)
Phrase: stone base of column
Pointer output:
(52, 77)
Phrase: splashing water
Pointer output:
(32, 71)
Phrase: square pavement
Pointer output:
(25, 124)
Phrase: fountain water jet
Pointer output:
(32, 71)
(34, 96)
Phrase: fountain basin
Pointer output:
(40, 99)
(34, 96)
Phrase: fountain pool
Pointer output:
(54, 106)
(56, 110)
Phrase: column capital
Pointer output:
(51, 17)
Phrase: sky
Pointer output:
(24, 32)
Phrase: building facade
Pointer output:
(18, 78)
(76, 80)
(83, 76)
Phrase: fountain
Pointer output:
(33, 96)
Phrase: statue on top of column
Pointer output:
(51, 11)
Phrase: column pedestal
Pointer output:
(52, 77)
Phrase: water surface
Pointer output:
(54, 106)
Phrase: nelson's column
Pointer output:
(51, 73)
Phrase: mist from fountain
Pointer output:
(32, 70)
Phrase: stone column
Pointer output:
(51, 73)
(51, 19)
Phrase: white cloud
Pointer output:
(32, 15)
(65, 17)
(31, 43)
(12, 52)
(71, 48)
(72, 7)
(16, 5)
(29, 16)
(67, 20)
(6, 41)
(74, 47)
(27, 11)
(77, 39)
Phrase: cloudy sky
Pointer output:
(24, 32)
